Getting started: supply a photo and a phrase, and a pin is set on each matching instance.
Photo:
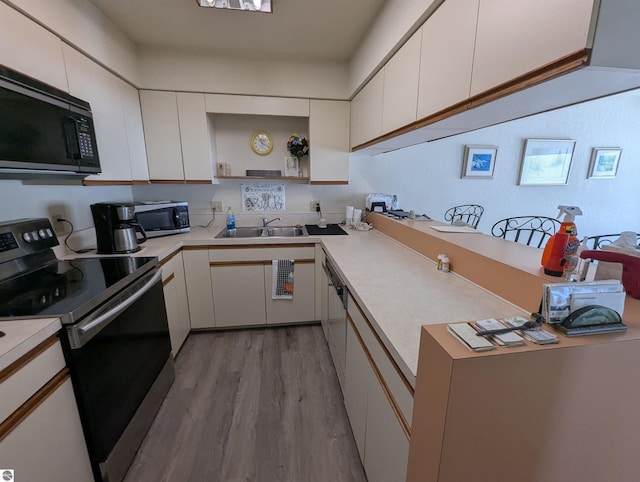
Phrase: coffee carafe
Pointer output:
(116, 229)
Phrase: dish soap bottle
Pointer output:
(231, 219)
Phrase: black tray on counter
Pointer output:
(331, 230)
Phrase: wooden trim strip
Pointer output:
(198, 181)
(328, 183)
(167, 181)
(263, 246)
(384, 348)
(197, 248)
(168, 280)
(263, 262)
(549, 71)
(392, 401)
(27, 408)
(27, 357)
(168, 258)
(106, 183)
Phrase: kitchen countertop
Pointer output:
(398, 289)
(22, 336)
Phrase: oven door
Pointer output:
(115, 359)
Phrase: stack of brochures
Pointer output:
(466, 335)
(539, 336)
(502, 339)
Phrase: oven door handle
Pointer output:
(112, 313)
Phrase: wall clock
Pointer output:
(261, 143)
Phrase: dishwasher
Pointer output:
(336, 332)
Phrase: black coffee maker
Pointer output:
(116, 229)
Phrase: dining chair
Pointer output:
(597, 242)
(467, 213)
(529, 230)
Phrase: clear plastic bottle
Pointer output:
(231, 219)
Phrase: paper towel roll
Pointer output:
(357, 215)
(348, 214)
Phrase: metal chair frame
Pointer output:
(529, 230)
(467, 213)
(604, 239)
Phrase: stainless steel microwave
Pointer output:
(161, 218)
(44, 131)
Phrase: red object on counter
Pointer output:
(553, 257)
(630, 268)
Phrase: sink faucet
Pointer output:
(266, 221)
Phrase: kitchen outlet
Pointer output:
(58, 226)
(216, 206)
(59, 211)
(315, 206)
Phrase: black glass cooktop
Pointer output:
(69, 288)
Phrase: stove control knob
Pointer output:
(34, 235)
(49, 233)
(27, 237)
(43, 234)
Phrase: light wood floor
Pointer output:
(260, 405)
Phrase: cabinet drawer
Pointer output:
(297, 252)
(26, 376)
(398, 387)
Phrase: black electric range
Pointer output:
(68, 289)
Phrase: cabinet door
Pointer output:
(358, 375)
(48, 444)
(329, 136)
(162, 135)
(175, 295)
(194, 137)
(386, 446)
(29, 48)
(446, 58)
(366, 111)
(302, 306)
(135, 134)
(400, 98)
(105, 92)
(199, 292)
(514, 38)
(238, 294)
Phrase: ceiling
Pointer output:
(328, 30)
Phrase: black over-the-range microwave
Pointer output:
(43, 130)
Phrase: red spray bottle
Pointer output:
(563, 244)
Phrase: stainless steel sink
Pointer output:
(263, 232)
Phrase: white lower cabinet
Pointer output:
(241, 283)
(374, 413)
(41, 436)
(175, 297)
(238, 294)
(199, 292)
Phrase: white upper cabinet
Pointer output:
(400, 92)
(366, 111)
(194, 137)
(514, 38)
(106, 94)
(256, 105)
(177, 136)
(448, 40)
(329, 141)
(29, 48)
(162, 135)
(135, 133)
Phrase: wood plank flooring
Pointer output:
(259, 405)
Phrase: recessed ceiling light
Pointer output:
(247, 5)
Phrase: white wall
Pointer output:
(427, 177)
(72, 202)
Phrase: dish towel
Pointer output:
(282, 285)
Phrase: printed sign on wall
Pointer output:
(263, 197)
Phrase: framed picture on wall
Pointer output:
(479, 162)
(546, 162)
(604, 162)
